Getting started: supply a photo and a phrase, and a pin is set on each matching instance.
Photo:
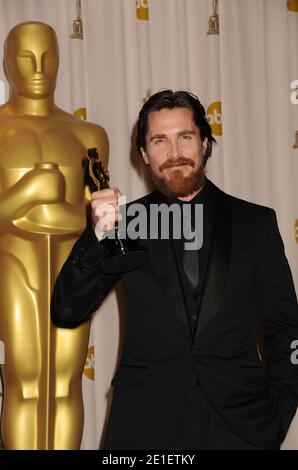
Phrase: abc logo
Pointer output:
(142, 10)
(292, 5)
(296, 230)
(214, 117)
(89, 364)
(80, 113)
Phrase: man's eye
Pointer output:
(159, 141)
(186, 137)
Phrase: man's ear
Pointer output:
(144, 156)
(205, 144)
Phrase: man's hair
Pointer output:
(169, 99)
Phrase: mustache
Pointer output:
(176, 162)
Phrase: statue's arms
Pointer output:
(38, 186)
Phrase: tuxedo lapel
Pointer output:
(218, 263)
(165, 265)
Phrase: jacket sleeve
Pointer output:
(278, 312)
(81, 286)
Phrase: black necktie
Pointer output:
(190, 258)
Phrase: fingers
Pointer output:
(105, 210)
(105, 200)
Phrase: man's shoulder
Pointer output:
(241, 208)
(249, 207)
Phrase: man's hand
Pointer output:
(105, 210)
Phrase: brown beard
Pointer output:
(178, 184)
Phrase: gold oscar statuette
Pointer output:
(122, 254)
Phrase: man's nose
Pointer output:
(174, 149)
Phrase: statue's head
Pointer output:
(31, 59)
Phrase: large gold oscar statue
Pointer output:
(42, 212)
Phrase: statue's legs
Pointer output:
(68, 354)
(43, 407)
(24, 406)
(67, 414)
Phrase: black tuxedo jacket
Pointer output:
(247, 270)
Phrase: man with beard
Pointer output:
(206, 362)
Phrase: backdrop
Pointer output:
(246, 76)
